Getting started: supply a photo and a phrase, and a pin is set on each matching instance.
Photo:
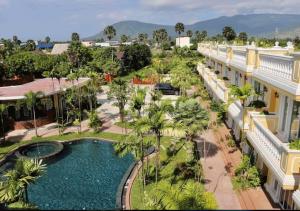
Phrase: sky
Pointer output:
(36, 19)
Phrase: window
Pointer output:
(295, 122)
(237, 78)
(275, 185)
(285, 110)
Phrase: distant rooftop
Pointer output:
(44, 85)
(60, 48)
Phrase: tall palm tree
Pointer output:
(14, 186)
(156, 122)
(110, 32)
(3, 108)
(242, 94)
(31, 99)
(179, 28)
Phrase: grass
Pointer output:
(8, 146)
(167, 176)
(128, 125)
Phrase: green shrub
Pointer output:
(94, 120)
(246, 175)
(231, 143)
(257, 104)
(295, 144)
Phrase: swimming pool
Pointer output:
(86, 175)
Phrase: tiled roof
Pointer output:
(46, 85)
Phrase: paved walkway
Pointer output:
(217, 179)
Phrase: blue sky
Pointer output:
(36, 19)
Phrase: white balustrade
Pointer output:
(271, 144)
(239, 56)
(280, 66)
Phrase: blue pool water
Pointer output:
(86, 175)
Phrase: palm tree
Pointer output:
(135, 144)
(3, 108)
(189, 33)
(242, 94)
(31, 99)
(110, 32)
(124, 38)
(179, 28)
(138, 101)
(229, 33)
(156, 122)
(119, 90)
(14, 187)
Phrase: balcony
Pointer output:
(275, 153)
(239, 60)
(280, 71)
(214, 84)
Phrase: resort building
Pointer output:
(20, 116)
(271, 118)
(183, 42)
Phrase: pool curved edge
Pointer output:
(13, 151)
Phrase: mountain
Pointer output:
(262, 25)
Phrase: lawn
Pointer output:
(7, 147)
(168, 178)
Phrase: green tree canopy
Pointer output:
(229, 33)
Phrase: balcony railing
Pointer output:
(239, 56)
(280, 66)
(270, 143)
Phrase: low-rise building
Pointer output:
(51, 89)
(183, 42)
(274, 73)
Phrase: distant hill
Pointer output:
(261, 25)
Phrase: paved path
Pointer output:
(216, 178)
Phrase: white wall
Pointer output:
(184, 42)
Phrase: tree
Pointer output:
(16, 41)
(229, 33)
(30, 45)
(179, 28)
(297, 42)
(242, 94)
(136, 56)
(78, 55)
(136, 144)
(75, 37)
(156, 122)
(47, 39)
(160, 36)
(190, 117)
(189, 33)
(142, 37)
(138, 101)
(31, 99)
(3, 108)
(243, 37)
(14, 187)
(119, 90)
(201, 36)
(112, 67)
(110, 32)
(19, 64)
(124, 38)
